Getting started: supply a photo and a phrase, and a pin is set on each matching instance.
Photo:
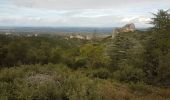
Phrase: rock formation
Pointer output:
(127, 28)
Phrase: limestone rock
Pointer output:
(127, 28)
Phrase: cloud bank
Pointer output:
(87, 4)
(88, 13)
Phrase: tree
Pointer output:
(31, 56)
(95, 55)
(161, 20)
(119, 50)
(157, 50)
(43, 53)
(56, 55)
(16, 52)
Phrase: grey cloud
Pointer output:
(86, 4)
(80, 12)
(103, 21)
(29, 21)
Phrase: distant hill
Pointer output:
(59, 30)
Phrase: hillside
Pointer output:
(58, 82)
(129, 65)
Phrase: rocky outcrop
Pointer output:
(125, 29)
(128, 28)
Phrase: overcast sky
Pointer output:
(79, 13)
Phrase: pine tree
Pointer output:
(157, 55)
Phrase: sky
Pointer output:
(79, 13)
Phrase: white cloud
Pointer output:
(79, 12)
(128, 20)
(87, 4)
(35, 21)
(144, 20)
(136, 20)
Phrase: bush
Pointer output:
(140, 88)
(43, 91)
(129, 74)
(101, 73)
(58, 82)
(47, 82)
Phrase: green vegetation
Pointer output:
(132, 66)
(58, 82)
(157, 54)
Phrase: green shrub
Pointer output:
(140, 88)
(101, 73)
(129, 74)
(9, 75)
(47, 82)
(58, 82)
(44, 91)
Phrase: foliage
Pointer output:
(161, 20)
(101, 73)
(125, 48)
(58, 82)
(156, 56)
(129, 74)
(95, 55)
(53, 68)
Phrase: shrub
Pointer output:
(101, 73)
(140, 88)
(9, 75)
(129, 74)
(43, 91)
